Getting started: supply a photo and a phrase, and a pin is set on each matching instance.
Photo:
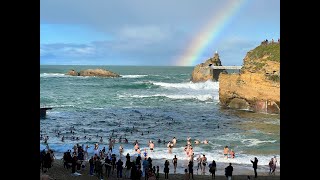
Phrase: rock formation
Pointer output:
(203, 72)
(93, 72)
(257, 87)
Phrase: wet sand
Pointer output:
(57, 171)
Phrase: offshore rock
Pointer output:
(93, 72)
(203, 72)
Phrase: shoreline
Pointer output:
(57, 171)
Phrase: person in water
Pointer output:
(120, 149)
(225, 152)
(151, 146)
(174, 141)
(232, 154)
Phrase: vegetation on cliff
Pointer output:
(271, 50)
(264, 59)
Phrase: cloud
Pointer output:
(136, 32)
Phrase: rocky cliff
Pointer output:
(257, 87)
(93, 72)
(202, 72)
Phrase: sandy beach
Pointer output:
(57, 171)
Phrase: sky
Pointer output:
(154, 32)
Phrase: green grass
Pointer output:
(258, 65)
(271, 49)
(275, 78)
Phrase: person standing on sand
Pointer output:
(174, 162)
(270, 166)
(145, 167)
(166, 169)
(157, 174)
(255, 166)
(228, 171)
(274, 165)
(204, 163)
(108, 165)
(186, 174)
(91, 166)
(128, 168)
(119, 168)
(190, 166)
(86, 156)
(199, 160)
(212, 170)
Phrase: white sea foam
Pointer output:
(272, 122)
(133, 76)
(255, 142)
(200, 91)
(182, 96)
(52, 75)
(208, 85)
(62, 105)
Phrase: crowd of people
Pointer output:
(104, 162)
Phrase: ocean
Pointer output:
(151, 103)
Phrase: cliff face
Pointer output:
(202, 72)
(257, 87)
(93, 72)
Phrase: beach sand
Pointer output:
(57, 171)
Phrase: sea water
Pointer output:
(151, 103)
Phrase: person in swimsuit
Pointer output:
(226, 152)
(174, 141)
(120, 149)
(204, 163)
(151, 146)
(136, 146)
(175, 161)
(145, 153)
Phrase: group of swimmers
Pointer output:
(228, 153)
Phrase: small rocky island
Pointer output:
(203, 72)
(257, 87)
(93, 72)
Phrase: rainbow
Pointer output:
(209, 33)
